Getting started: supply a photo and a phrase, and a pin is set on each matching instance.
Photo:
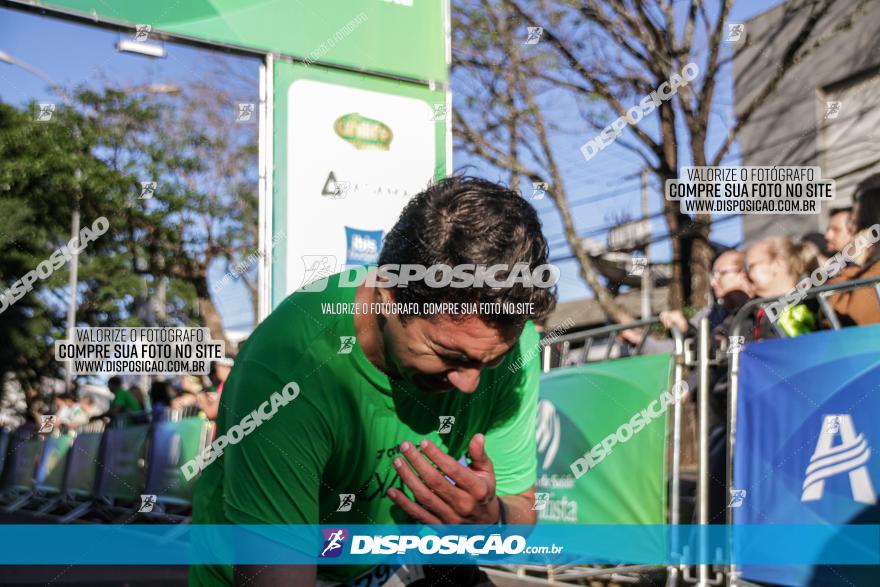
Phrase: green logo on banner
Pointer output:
(363, 132)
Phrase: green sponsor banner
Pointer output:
(399, 37)
(578, 409)
(350, 151)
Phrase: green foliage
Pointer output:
(93, 156)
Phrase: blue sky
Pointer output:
(74, 54)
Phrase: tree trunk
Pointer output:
(209, 312)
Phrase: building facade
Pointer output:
(825, 111)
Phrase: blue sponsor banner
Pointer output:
(808, 443)
(155, 544)
(362, 246)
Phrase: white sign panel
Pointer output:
(355, 157)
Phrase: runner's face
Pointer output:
(440, 354)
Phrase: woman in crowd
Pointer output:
(774, 266)
(160, 396)
(861, 306)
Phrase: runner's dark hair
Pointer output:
(468, 220)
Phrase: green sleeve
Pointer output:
(273, 475)
(511, 446)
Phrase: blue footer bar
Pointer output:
(545, 544)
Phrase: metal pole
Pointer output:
(732, 398)
(646, 274)
(71, 303)
(266, 167)
(703, 479)
(675, 510)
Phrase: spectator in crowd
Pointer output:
(861, 306)
(65, 408)
(85, 412)
(209, 400)
(190, 388)
(73, 413)
(815, 241)
(123, 400)
(774, 266)
(220, 370)
(140, 396)
(160, 396)
(838, 234)
(731, 289)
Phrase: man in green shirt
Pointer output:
(381, 395)
(123, 401)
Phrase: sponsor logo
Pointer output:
(362, 246)
(559, 510)
(334, 188)
(363, 133)
(849, 457)
(548, 432)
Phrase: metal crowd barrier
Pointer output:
(821, 294)
(97, 474)
(579, 573)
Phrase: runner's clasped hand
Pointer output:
(471, 500)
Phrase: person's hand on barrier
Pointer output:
(631, 335)
(470, 500)
(674, 318)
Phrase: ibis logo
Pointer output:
(547, 434)
(848, 457)
(363, 133)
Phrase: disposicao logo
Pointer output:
(363, 132)
(333, 540)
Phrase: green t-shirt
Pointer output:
(340, 434)
(127, 400)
